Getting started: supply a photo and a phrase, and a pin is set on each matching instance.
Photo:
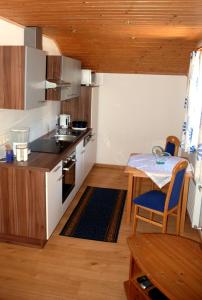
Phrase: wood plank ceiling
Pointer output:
(122, 36)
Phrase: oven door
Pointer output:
(68, 173)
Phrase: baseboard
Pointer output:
(24, 241)
(110, 166)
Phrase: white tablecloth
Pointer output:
(160, 174)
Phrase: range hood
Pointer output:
(52, 84)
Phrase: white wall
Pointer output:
(40, 119)
(137, 112)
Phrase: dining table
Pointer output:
(145, 166)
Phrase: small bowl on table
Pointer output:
(161, 158)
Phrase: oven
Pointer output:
(68, 172)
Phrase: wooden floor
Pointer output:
(70, 268)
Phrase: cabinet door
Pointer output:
(35, 72)
(71, 72)
(22, 204)
(89, 156)
(12, 62)
(53, 198)
(79, 164)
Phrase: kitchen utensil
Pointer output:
(162, 158)
(157, 150)
(79, 125)
(64, 120)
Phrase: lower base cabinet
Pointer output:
(31, 199)
(86, 158)
(22, 205)
(90, 155)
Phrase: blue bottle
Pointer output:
(9, 155)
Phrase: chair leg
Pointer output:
(135, 218)
(139, 186)
(151, 215)
(165, 219)
(178, 221)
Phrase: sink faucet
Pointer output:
(57, 131)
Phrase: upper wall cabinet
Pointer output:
(61, 70)
(22, 77)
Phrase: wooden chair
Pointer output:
(172, 145)
(163, 204)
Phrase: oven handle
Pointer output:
(71, 166)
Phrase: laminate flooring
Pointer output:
(70, 268)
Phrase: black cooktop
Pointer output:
(49, 146)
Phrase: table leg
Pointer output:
(184, 204)
(129, 198)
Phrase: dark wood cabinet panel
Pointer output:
(85, 104)
(66, 70)
(5, 191)
(71, 107)
(22, 77)
(54, 67)
(22, 205)
(53, 71)
(79, 108)
(12, 74)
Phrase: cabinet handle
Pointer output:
(60, 178)
(57, 169)
(69, 168)
(83, 151)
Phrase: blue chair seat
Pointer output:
(153, 199)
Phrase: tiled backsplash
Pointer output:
(39, 120)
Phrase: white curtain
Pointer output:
(192, 127)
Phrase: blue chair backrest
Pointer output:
(177, 185)
(170, 148)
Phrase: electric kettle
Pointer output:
(64, 120)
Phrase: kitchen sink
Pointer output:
(65, 137)
(55, 141)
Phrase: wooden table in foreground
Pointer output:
(134, 173)
(172, 263)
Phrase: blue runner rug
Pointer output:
(97, 216)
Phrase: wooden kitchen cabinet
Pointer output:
(65, 69)
(22, 77)
(30, 204)
(22, 205)
(54, 209)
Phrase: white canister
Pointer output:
(22, 152)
